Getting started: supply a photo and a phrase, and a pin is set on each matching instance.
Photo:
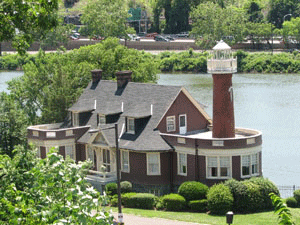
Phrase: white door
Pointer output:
(182, 124)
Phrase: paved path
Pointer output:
(129, 219)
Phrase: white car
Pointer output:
(133, 37)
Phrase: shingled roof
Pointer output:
(137, 100)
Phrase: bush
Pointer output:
(125, 197)
(219, 199)
(198, 205)
(141, 201)
(126, 187)
(254, 197)
(266, 187)
(193, 190)
(111, 189)
(291, 202)
(173, 202)
(297, 196)
(114, 201)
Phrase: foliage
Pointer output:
(297, 196)
(291, 32)
(188, 61)
(125, 197)
(212, 23)
(14, 61)
(219, 199)
(284, 214)
(254, 197)
(198, 205)
(265, 187)
(105, 18)
(193, 190)
(126, 186)
(47, 191)
(19, 20)
(141, 201)
(291, 202)
(173, 202)
(111, 189)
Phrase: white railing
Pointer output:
(222, 65)
(102, 176)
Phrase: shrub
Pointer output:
(114, 201)
(125, 197)
(173, 202)
(266, 187)
(192, 190)
(291, 202)
(198, 205)
(254, 196)
(219, 199)
(126, 187)
(111, 189)
(141, 201)
(297, 196)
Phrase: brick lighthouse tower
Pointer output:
(222, 65)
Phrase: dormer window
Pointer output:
(102, 119)
(130, 125)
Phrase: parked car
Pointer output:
(161, 38)
(133, 37)
(183, 34)
(170, 38)
(75, 36)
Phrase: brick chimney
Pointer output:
(96, 75)
(123, 77)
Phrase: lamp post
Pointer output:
(229, 217)
(289, 14)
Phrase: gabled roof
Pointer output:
(148, 102)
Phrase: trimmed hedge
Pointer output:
(291, 202)
(198, 205)
(219, 199)
(297, 196)
(111, 189)
(193, 190)
(125, 197)
(126, 187)
(173, 202)
(141, 201)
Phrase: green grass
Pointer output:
(264, 218)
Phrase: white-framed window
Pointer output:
(106, 159)
(102, 119)
(182, 124)
(249, 165)
(125, 161)
(69, 151)
(218, 167)
(171, 126)
(130, 125)
(182, 164)
(75, 119)
(153, 164)
(35, 133)
(38, 153)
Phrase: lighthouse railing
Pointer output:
(222, 65)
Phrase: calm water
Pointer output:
(269, 103)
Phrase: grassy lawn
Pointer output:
(265, 218)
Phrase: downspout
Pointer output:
(171, 171)
(196, 162)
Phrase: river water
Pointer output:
(266, 102)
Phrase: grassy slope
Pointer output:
(265, 218)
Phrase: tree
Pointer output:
(284, 214)
(291, 31)
(280, 8)
(20, 20)
(47, 191)
(212, 23)
(105, 18)
(259, 32)
(254, 11)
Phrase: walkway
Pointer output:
(129, 219)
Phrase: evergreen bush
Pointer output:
(266, 187)
(193, 190)
(219, 199)
(111, 189)
(297, 196)
(126, 197)
(198, 205)
(141, 201)
(291, 202)
(173, 202)
(254, 197)
(126, 187)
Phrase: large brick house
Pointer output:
(165, 137)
